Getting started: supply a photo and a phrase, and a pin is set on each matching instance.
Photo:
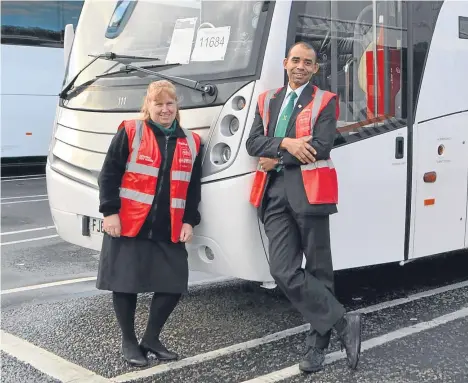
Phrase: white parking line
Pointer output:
(44, 285)
(28, 240)
(413, 297)
(25, 196)
(68, 372)
(25, 201)
(23, 179)
(46, 362)
(27, 230)
(159, 369)
(292, 371)
(87, 279)
(19, 177)
(200, 358)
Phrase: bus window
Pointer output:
(71, 11)
(31, 23)
(463, 27)
(38, 22)
(122, 12)
(361, 57)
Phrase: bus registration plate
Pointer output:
(96, 226)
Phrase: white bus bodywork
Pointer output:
(387, 212)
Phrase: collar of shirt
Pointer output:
(298, 91)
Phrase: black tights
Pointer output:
(162, 306)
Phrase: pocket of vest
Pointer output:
(321, 186)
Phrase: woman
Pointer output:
(149, 194)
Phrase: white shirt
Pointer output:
(298, 91)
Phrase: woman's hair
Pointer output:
(154, 91)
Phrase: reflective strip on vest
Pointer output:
(318, 98)
(133, 166)
(142, 169)
(178, 203)
(136, 196)
(136, 141)
(191, 143)
(318, 164)
(178, 175)
(266, 106)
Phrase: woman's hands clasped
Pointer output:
(112, 225)
(113, 228)
(186, 233)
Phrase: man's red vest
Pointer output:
(140, 179)
(319, 178)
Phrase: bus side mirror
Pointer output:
(69, 36)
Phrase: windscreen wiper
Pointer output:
(206, 89)
(126, 69)
(105, 56)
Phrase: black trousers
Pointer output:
(310, 290)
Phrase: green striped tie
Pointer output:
(283, 120)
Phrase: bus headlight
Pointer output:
(221, 153)
(226, 133)
(238, 103)
(226, 154)
(234, 125)
(229, 125)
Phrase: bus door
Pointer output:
(440, 164)
(441, 171)
(361, 52)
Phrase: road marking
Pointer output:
(68, 372)
(46, 362)
(23, 179)
(44, 285)
(292, 371)
(27, 230)
(28, 240)
(87, 279)
(29, 200)
(159, 369)
(19, 177)
(413, 297)
(25, 196)
(200, 358)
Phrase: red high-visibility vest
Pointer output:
(140, 179)
(319, 178)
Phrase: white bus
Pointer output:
(32, 75)
(401, 152)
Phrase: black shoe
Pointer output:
(313, 360)
(158, 349)
(350, 338)
(132, 354)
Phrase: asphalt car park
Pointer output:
(56, 327)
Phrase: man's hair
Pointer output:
(305, 45)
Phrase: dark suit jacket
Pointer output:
(259, 145)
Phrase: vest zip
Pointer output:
(158, 188)
(162, 171)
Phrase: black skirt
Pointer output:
(137, 265)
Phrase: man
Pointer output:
(295, 191)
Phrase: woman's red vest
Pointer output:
(140, 179)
